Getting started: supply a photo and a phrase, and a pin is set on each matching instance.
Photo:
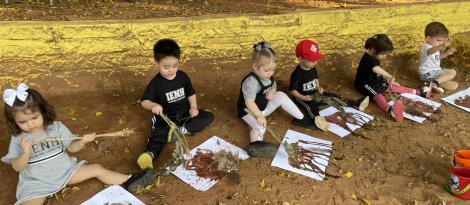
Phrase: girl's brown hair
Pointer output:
(34, 102)
(262, 49)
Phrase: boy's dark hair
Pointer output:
(164, 48)
(380, 43)
(436, 29)
(34, 102)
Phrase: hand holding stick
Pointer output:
(123, 133)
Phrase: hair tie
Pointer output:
(9, 95)
(261, 45)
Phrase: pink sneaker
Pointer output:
(396, 111)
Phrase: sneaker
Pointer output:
(321, 123)
(397, 111)
(140, 180)
(305, 123)
(450, 85)
(145, 161)
(426, 90)
(361, 103)
(437, 88)
(261, 149)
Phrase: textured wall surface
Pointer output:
(39, 49)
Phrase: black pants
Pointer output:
(312, 107)
(159, 133)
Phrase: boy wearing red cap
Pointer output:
(304, 85)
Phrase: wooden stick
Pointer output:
(275, 135)
(123, 133)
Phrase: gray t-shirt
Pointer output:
(49, 167)
(251, 86)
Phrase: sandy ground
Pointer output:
(400, 164)
(69, 10)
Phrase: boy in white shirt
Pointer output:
(436, 48)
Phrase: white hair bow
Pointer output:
(9, 95)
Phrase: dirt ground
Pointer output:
(68, 10)
(400, 164)
(403, 163)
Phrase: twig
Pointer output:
(123, 133)
(275, 135)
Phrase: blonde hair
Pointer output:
(262, 49)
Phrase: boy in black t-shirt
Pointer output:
(304, 85)
(171, 93)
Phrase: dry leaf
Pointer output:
(159, 182)
(348, 174)
(262, 184)
(126, 150)
(75, 189)
(353, 196)
(365, 202)
(98, 114)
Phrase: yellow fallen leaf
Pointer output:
(353, 196)
(64, 190)
(121, 120)
(159, 182)
(348, 174)
(262, 184)
(126, 150)
(202, 94)
(98, 114)
(282, 174)
(365, 202)
(75, 189)
(149, 187)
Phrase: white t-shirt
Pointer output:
(429, 63)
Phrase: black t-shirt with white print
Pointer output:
(172, 95)
(304, 81)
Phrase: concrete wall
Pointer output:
(29, 50)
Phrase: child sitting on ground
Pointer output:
(305, 87)
(258, 94)
(171, 93)
(372, 80)
(44, 164)
(430, 71)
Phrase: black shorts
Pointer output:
(373, 89)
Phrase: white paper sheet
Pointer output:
(336, 129)
(281, 158)
(113, 194)
(214, 144)
(435, 105)
(451, 98)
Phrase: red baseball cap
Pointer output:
(309, 50)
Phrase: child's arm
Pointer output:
(153, 106)
(21, 162)
(297, 95)
(78, 145)
(437, 48)
(271, 92)
(320, 89)
(193, 111)
(449, 52)
(253, 108)
(382, 72)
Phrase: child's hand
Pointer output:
(270, 94)
(157, 109)
(26, 145)
(308, 98)
(392, 82)
(320, 90)
(450, 51)
(88, 138)
(261, 120)
(193, 112)
(446, 43)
